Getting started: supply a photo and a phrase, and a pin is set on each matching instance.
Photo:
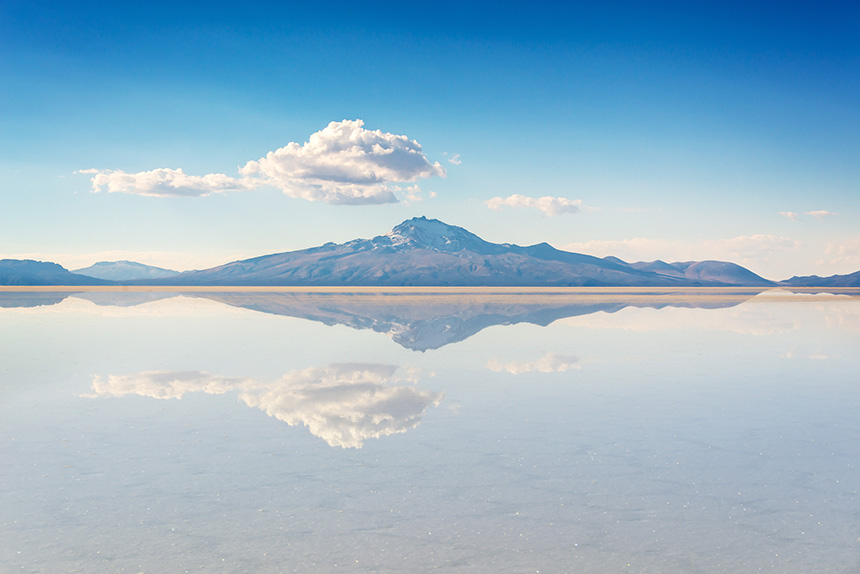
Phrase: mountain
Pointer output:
(850, 280)
(124, 271)
(428, 252)
(28, 272)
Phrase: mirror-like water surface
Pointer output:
(298, 432)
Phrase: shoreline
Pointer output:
(415, 289)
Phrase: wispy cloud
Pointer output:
(821, 214)
(756, 246)
(455, 159)
(745, 248)
(549, 363)
(551, 206)
(344, 163)
(845, 254)
(164, 182)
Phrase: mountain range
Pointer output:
(26, 272)
(849, 280)
(428, 252)
(418, 252)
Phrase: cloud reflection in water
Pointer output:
(548, 363)
(343, 404)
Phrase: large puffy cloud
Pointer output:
(344, 163)
(164, 182)
(344, 404)
(551, 206)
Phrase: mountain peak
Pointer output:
(424, 233)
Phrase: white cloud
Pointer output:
(164, 182)
(549, 363)
(821, 214)
(455, 159)
(551, 206)
(344, 163)
(340, 164)
(166, 384)
(748, 247)
(791, 215)
(344, 404)
(845, 255)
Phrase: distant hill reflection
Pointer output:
(417, 321)
(343, 404)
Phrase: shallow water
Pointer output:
(291, 432)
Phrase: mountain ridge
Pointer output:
(418, 252)
(847, 280)
(428, 252)
(27, 272)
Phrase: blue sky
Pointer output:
(674, 130)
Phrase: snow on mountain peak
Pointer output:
(431, 234)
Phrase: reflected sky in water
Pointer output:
(260, 432)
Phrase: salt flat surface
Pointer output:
(273, 431)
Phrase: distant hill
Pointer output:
(124, 271)
(850, 280)
(721, 272)
(428, 252)
(28, 272)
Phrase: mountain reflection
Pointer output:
(343, 404)
(421, 322)
(424, 321)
